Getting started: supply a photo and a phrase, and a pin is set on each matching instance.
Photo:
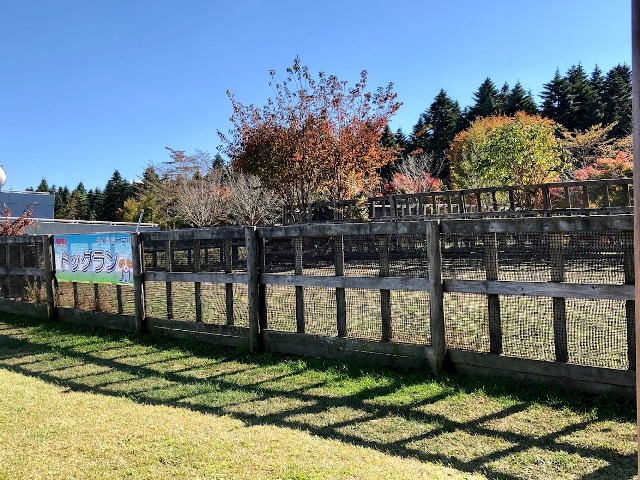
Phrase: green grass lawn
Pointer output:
(81, 403)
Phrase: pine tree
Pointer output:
(584, 102)
(486, 101)
(116, 191)
(43, 186)
(218, 162)
(389, 140)
(520, 100)
(78, 205)
(95, 199)
(444, 119)
(617, 100)
(61, 201)
(555, 98)
(418, 140)
(502, 99)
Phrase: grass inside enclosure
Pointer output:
(94, 404)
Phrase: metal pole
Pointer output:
(635, 80)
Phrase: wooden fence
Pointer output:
(547, 299)
(612, 196)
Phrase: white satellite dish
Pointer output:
(3, 177)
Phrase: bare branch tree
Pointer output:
(251, 202)
(203, 201)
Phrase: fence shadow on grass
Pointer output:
(494, 428)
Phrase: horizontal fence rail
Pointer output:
(611, 196)
(543, 298)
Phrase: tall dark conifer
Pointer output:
(617, 99)
(555, 98)
(520, 100)
(486, 101)
(115, 193)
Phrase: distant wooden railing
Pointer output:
(613, 196)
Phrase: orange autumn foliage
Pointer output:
(317, 138)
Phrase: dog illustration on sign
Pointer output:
(125, 267)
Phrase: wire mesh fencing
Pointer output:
(363, 313)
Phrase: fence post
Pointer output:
(630, 305)
(228, 268)
(385, 295)
(436, 296)
(138, 283)
(168, 262)
(253, 290)
(297, 249)
(341, 301)
(50, 272)
(490, 241)
(559, 304)
(197, 291)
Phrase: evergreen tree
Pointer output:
(218, 162)
(486, 101)
(60, 202)
(401, 139)
(617, 100)
(520, 100)
(95, 199)
(502, 99)
(116, 191)
(418, 140)
(444, 120)
(584, 108)
(555, 98)
(43, 186)
(388, 140)
(78, 205)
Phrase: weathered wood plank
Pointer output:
(19, 239)
(297, 252)
(253, 293)
(97, 302)
(533, 225)
(194, 234)
(341, 301)
(168, 260)
(191, 277)
(138, 283)
(18, 307)
(630, 305)
(228, 287)
(382, 242)
(197, 291)
(50, 276)
(112, 321)
(340, 229)
(242, 332)
(407, 284)
(76, 295)
(541, 289)
(490, 241)
(339, 348)
(562, 373)
(27, 271)
(436, 297)
(119, 299)
(556, 261)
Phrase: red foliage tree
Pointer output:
(16, 226)
(619, 167)
(317, 138)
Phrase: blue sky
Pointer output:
(88, 86)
